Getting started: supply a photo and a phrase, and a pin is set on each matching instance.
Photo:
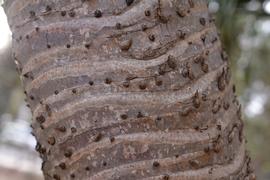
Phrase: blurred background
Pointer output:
(244, 26)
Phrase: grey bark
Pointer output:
(128, 89)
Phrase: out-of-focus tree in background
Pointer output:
(245, 31)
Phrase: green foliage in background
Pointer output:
(248, 47)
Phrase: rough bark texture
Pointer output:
(128, 89)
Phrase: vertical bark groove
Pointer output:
(128, 89)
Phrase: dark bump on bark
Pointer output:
(32, 97)
(239, 112)
(181, 13)
(118, 26)
(62, 165)
(158, 118)
(97, 137)
(221, 81)
(71, 13)
(171, 62)
(203, 38)
(87, 46)
(181, 35)
(212, 19)
(216, 145)
(63, 13)
(108, 81)
(129, 2)
(27, 36)
(224, 56)
(104, 163)
(68, 153)
(234, 88)
(91, 83)
(72, 176)
(43, 165)
(159, 82)
(196, 127)
(216, 107)
(26, 75)
(204, 67)
(38, 147)
(98, 13)
(40, 119)
(196, 100)
(219, 127)
(210, 171)
(227, 75)
(124, 116)
(43, 150)
(142, 86)
(126, 84)
(191, 3)
(191, 76)
(73, 130)
(163, 19)
(214, 40)
(48, 46)
(147, 13)
(37, 29)
(68, 46)
(32, 14)
(199, 59)
(74, 91)
(61, 129)
(206, 149)
(156, 164)
(144, 27)
(51, 141)
(125, 45)
(166, 177)
(48, 8)
(56, 92)
(202, 21)
(230, 137)
(56, 177)
(216, 148)
(194, 163)
(87, 168)
(152, 37)
(112, 139)
(140, 115)
(226, 105)
(161, 69)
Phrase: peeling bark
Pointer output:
(128, 89)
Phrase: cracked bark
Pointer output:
(128, 89)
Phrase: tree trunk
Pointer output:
(128, 89)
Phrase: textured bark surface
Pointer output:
(128, 89)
